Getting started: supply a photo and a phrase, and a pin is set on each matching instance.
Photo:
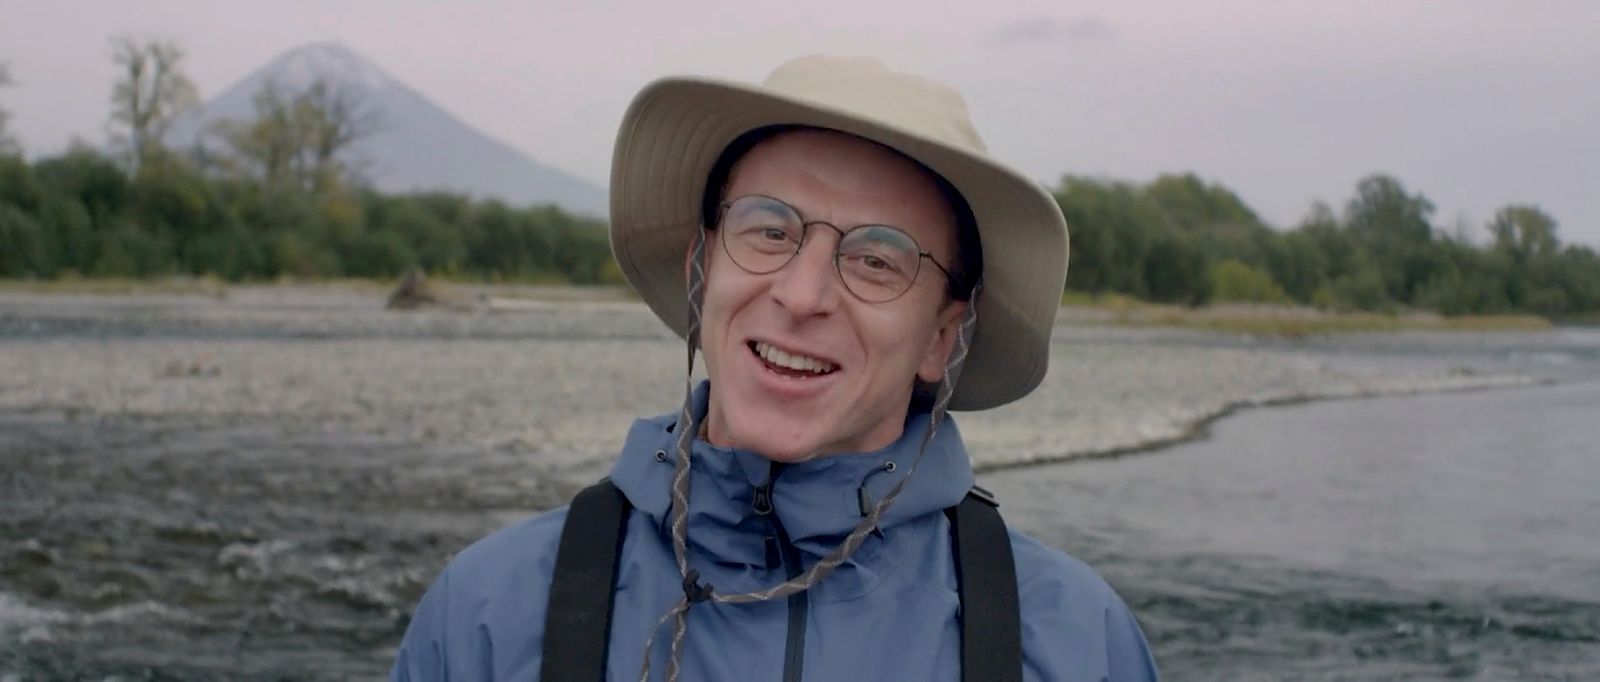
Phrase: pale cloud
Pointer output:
(1048, 29)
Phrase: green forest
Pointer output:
(1179, 239)
(82, 214)
(284, 200)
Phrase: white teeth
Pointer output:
(799, 363)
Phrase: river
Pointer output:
(1438, 537)
(1425, 536)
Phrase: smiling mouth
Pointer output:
(791, 364)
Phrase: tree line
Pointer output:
(277, 195)
(281, 194)
(1180, 239)
(82, 214)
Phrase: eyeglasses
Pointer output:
(877, 263)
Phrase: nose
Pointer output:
(809, 284)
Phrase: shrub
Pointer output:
(1233, 280)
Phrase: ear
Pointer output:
(944, 339)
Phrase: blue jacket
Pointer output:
(888, 614)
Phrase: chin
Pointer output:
(787, 456)
(776, 441)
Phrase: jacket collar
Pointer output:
(817, 501)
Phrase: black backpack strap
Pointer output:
(986, 578)
(577, 623)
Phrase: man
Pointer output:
(852, 265)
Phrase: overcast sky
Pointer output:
(1475, 103)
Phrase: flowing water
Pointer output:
(1444, 536)
(1434, 536)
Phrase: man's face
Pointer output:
(872, 352)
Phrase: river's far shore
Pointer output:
(1288, 321)
(558, 377)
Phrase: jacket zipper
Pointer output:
(795, 644)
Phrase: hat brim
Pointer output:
(676, 129)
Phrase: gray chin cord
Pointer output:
(695, 591)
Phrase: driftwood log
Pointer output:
(412, 293)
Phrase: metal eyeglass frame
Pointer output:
(805, 229)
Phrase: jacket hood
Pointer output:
(817, 502)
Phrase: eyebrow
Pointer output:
(779, 210)
(773, 207)
(783, 209)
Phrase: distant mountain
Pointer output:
(419, 146)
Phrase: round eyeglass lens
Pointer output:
(761, 234)
(877, 262)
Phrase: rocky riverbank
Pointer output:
(559, 380)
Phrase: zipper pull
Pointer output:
(761, 495)
(761, 500)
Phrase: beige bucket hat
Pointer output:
(677, 127)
